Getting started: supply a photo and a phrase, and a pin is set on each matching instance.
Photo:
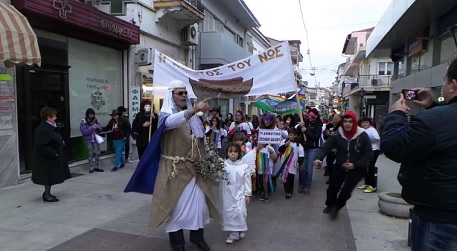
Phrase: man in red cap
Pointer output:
(353, 155)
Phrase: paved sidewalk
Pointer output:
(94, 214)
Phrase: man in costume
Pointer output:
(182, 200)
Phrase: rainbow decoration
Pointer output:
(267, 102)
(263, 164)
(244, 150)
(287, 161)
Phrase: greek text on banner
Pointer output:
(269, 136)
(270, 71)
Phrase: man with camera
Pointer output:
(425, 144)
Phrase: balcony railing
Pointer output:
(187, 12)
(374, 80)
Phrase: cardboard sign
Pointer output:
(269, 136)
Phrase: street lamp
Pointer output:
(362, 93)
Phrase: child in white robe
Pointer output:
(235, 194)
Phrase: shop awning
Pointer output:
(18, 42)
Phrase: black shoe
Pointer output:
(328, 181)
(51, 196)
(114, 169)
(202, 245)
(54, 199)
(327, 210)
(300, 190)
(334, 213)
(288, 195)
(91, 170)
(122, 165)
(99, 170)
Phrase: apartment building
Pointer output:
(367, 79)
(419, 47)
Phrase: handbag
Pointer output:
(100, 140)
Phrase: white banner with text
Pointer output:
(269, 72)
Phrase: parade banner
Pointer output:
(269, 72)
(269, 136)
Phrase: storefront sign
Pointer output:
(79, 20)
(268, 136)
(116, 29)
(134, 102)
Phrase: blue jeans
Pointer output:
(119, 148)
(430, 236)
(305, 172)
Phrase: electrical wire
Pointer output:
(307, 41)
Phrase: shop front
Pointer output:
(85, 55)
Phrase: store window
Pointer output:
(95, 81)
(401, 69)
(447, 48)
(385, 68)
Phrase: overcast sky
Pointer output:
(328, 23)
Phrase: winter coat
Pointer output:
(123, 125)
(88, 131)
(312, 135)
(140, 133)
(49, 166)
(356, 150)
(426, 147)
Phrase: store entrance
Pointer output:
(42, 87)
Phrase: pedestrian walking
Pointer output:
(371, 179)
(123, 113)
(353, 154)
(89, 128)
(120, 129)
(49, 164)
(236, 195)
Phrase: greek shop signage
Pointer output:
(134, 99)
(116, 29)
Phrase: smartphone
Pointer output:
(410, 94)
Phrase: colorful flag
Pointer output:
(268, 102)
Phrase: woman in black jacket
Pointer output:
(49, 164)
(144, 120)
(120, 129)
(311, 132)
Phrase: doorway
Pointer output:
(42, 87)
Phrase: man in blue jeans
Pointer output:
(426, 146)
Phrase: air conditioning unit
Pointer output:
(375, 82)
(189, 35)
(144, 57)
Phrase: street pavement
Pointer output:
(94, 214)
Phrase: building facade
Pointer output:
(419, 48)
(367, 79)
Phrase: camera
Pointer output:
(410, 94)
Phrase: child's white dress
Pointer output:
(234, 210)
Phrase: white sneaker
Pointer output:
(362, 187)
(128, 161)
(242, 235)
(230, 240)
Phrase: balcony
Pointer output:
(352, 63)
(186, 12)
(219, 49)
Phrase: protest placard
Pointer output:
(269, 136)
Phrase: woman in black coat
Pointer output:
(49, 164)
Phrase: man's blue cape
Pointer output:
(144, 178)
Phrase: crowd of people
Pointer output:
(346, 147)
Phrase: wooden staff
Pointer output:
(300, 112)
(150, 119)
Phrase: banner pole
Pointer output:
(150, 119)
(300, 112)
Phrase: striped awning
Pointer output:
(18, 42)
